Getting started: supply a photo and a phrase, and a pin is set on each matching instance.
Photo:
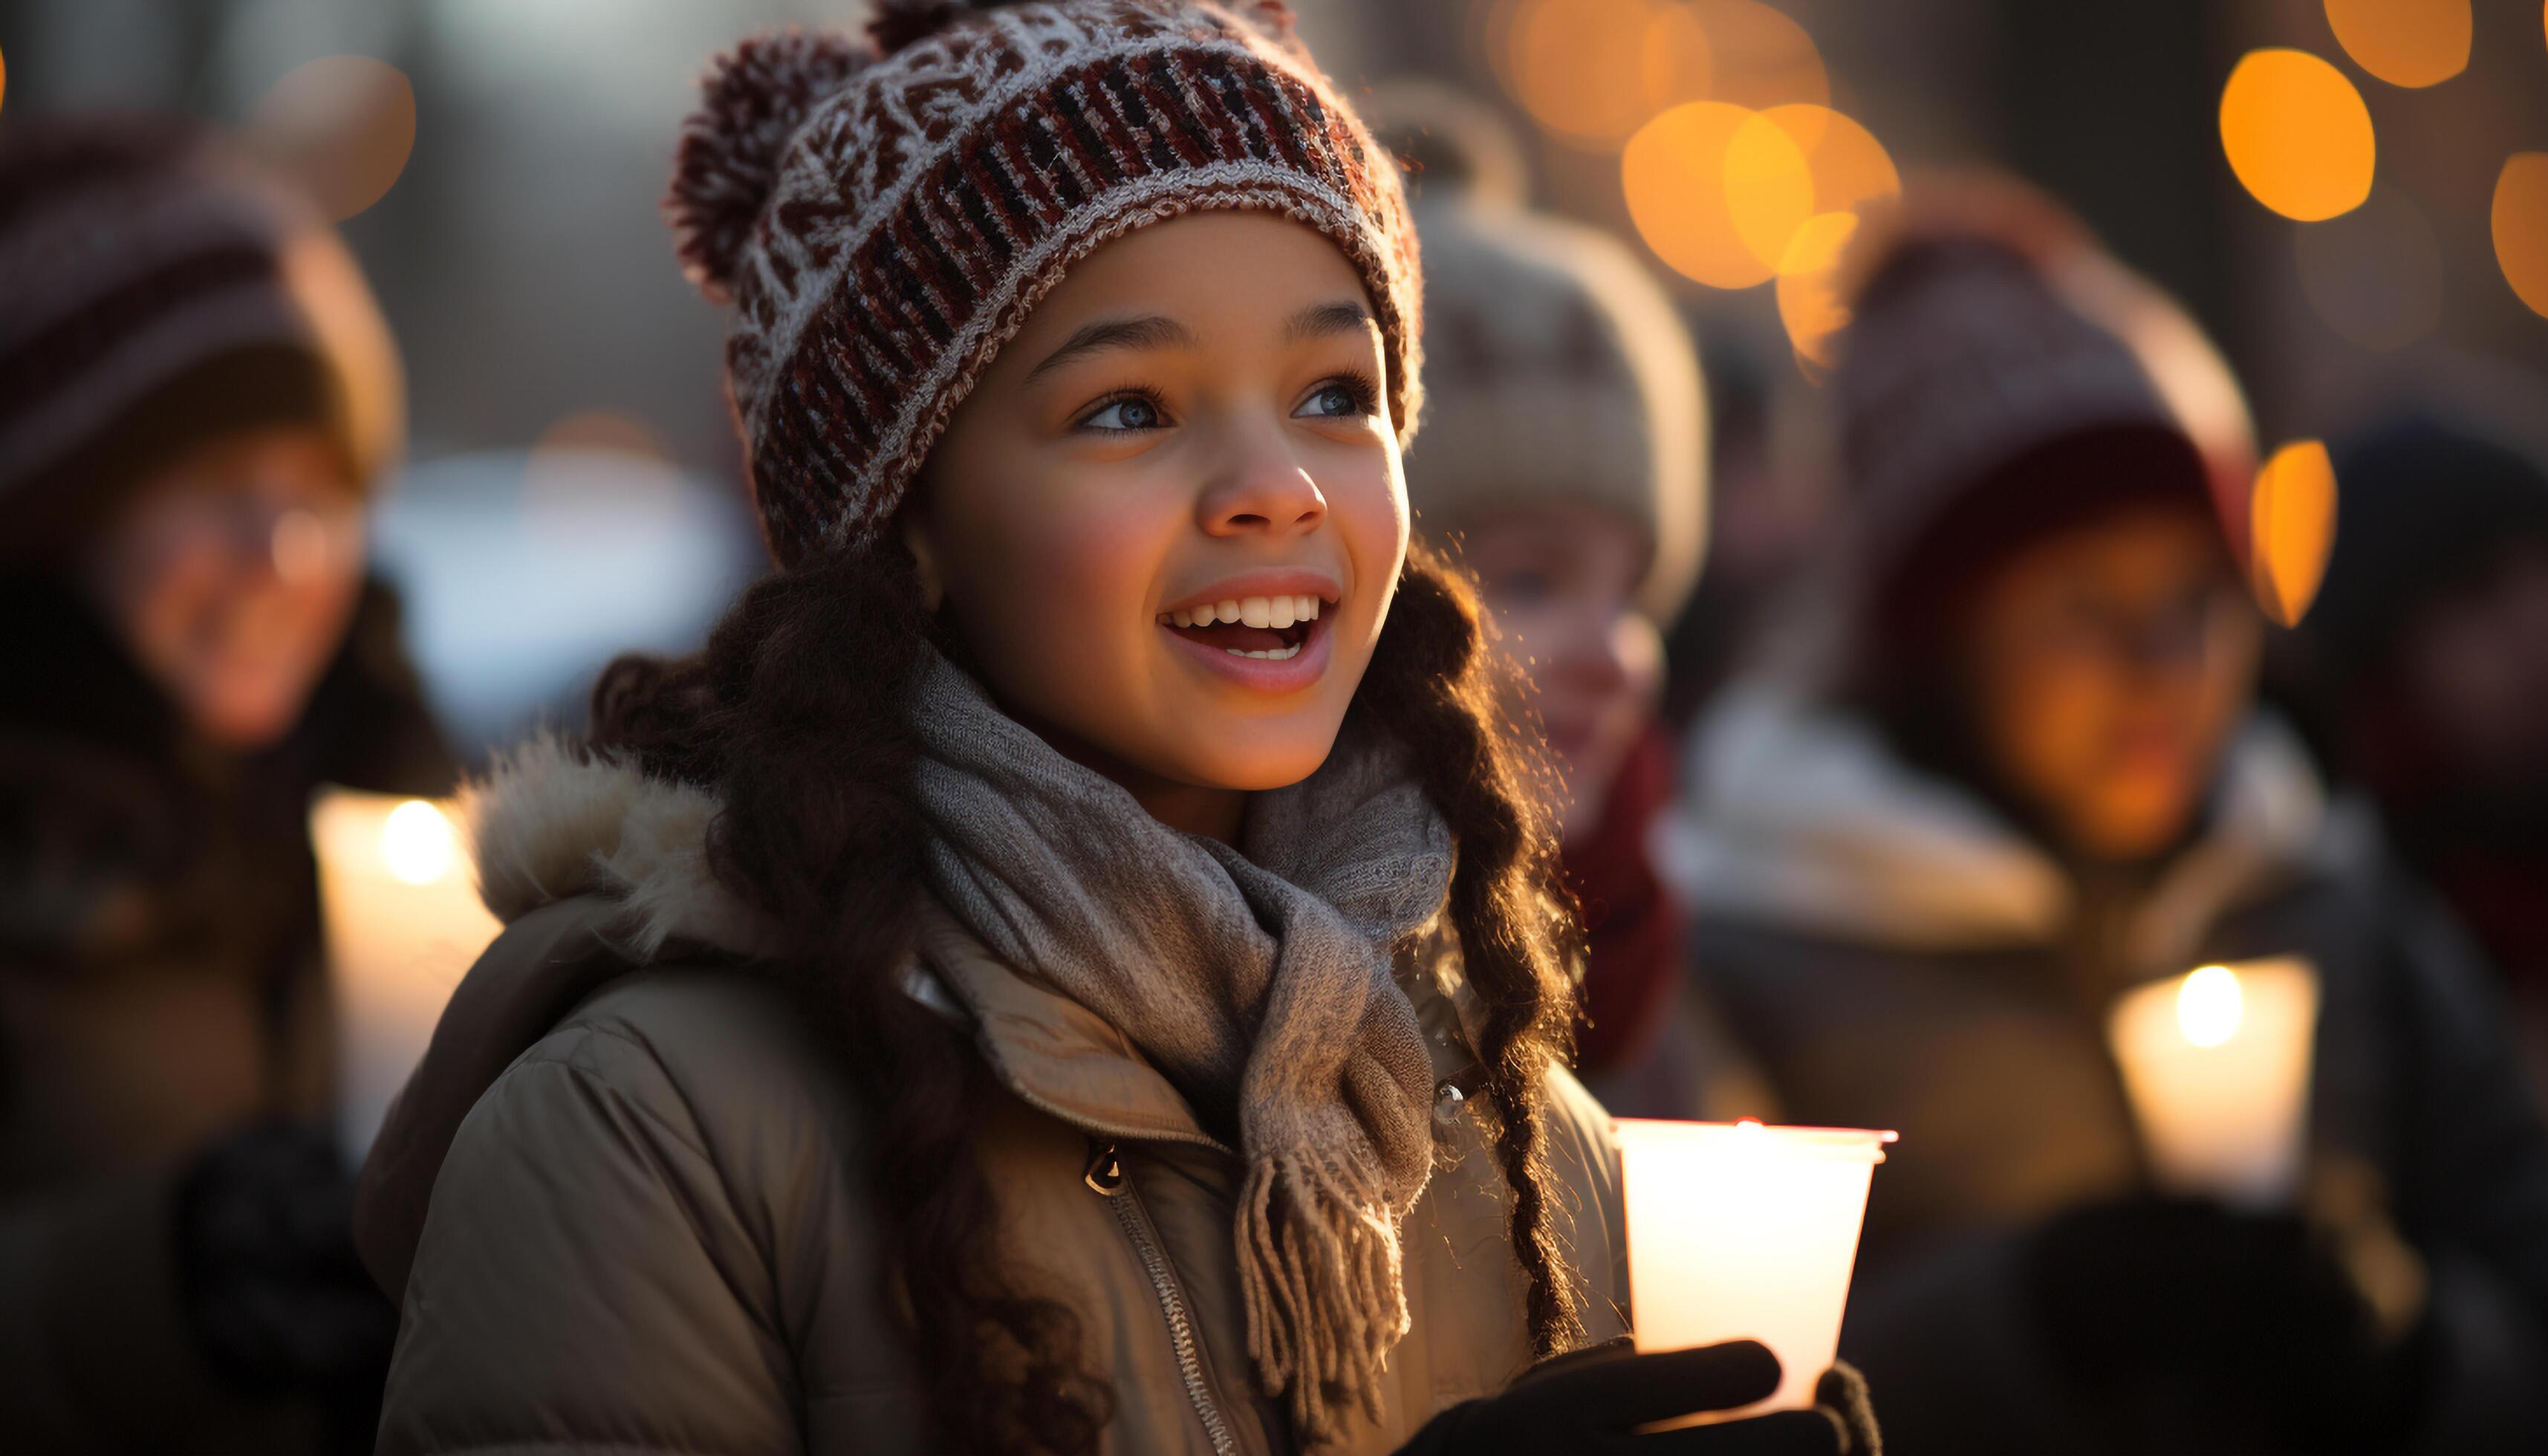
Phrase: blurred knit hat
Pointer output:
(884, 212)
(1557, 369)
(161, 292)
(1989, 330)
(2422, 503)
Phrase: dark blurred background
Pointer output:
(561, 370)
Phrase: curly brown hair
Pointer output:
(788, 716)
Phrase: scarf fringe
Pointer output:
(1320, 1272)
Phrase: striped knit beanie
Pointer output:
(1990, 325)
(158, 291)
(883, 214)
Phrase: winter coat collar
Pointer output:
(553, 821)
(1802, 816)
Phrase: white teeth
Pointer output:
(1279, 654)
(1256, 612)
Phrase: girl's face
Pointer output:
(2110, 666)
(1561, 582)
(1169, 518)
(231, 575)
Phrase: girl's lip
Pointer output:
(1294, 582)
(1261, 675)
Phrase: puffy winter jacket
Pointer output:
(622, 1193)
(1896, 955)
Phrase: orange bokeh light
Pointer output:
(2520, 223)
(1594, 71)
(343, 126)
(1810, 304)
(1715, 189)
(2298, 135)
(1849, 168)
(2406, 43)
(2292, 519)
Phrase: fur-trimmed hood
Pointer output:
(552, 820)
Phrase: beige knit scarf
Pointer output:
(1259, 980)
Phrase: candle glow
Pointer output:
(1745, 1232)
(2209, 1006)
(2217, 1066)
(403, 925)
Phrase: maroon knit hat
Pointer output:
(157, 284)
(1988, 326)
(884, 213)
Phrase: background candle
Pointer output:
(2216, 1063)
(1741, 1231)
(404, 922)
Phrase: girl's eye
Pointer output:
(1339, 399)
(1129, 414)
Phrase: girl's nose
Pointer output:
(1261, 488)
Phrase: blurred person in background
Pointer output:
(1567, 465)
(195, 392)
(2018, 773)
(2424, 673)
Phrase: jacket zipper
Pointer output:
(1110, 1180)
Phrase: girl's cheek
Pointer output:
(1367, 501)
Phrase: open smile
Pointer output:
(1266, 629)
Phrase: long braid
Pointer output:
(1432, 683)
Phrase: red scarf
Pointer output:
(1633, 927)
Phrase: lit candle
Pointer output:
(404, 922)
(1741, 1231)
(2216, 1063)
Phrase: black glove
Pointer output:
(1594, 1401)
(2179, 1315)
(277, 1298)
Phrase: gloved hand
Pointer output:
(1594, 1401)
(277, 1298)
(2180, 1315)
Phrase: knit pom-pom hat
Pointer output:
(158, 289)
(1989, 326)
(1561, 370)
(884, 212)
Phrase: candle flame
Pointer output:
(416, 843)
(2209, 1006)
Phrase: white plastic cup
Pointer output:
(398, 900)
(2217, 1064)
(1738, 1230)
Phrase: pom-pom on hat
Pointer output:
(884, 212)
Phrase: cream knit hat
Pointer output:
(1557, 369)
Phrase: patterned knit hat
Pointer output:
(1559, 369)
(144, 262)
(1990, 325)
(885, 215)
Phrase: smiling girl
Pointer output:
(1072, 966)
